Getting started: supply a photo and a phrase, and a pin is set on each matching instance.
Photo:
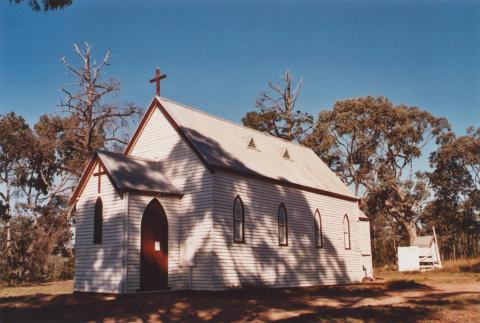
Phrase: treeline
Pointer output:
(375, 147)
(369, 142)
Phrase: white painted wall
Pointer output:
(98, 267)
(260, 260)
(408, 258)
(365, 248)
(190, 218)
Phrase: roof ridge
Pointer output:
(234, 123)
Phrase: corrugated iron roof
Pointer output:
(132, 173)
(224, 144)
(423, 242)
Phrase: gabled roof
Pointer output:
(221, 145)
(129, 174)
(423, 242)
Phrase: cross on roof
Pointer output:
(157, 79)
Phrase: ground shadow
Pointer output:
(261, 304)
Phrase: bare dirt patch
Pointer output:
(395, 298)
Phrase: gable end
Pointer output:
(146, 118)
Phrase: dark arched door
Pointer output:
(154, 248)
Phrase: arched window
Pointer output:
(238, 221)
(98, 221)
(346, 232)
(282, 226)
(318, 230)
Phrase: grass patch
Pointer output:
(53, 288)
(462, 266)
(453, 272)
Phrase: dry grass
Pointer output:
(462, 272)
(54, 288)
(462, 266)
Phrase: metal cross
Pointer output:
(99, 174)
(157, 79)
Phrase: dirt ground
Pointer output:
(390, 298)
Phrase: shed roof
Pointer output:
(423, 242)
(224, 144)
(131, 173)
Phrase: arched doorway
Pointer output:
(154, 248)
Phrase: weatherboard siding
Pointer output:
(366, 248)
(99, 267)
(189, 216)
(260, 260)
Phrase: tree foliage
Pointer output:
(278, 115)
(455, 179)
(348, 138)
(44, 5)
(372, 144)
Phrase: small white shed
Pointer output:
(423, 254)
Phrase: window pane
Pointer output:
(281, 235)
(237, 231)
(281, 216)
(282, 225)
(97, 222)
(238, 210)
(238, 220)
(319, 238)
(346, 233)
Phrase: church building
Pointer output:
(198, 202)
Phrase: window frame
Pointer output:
(98, 222)
(347, 233)
(318, 229)
(280, 243)
(242, 240)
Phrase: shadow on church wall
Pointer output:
(260, 260)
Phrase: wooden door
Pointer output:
(154, 248)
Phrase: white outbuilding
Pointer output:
(199, 202)
(423, 254)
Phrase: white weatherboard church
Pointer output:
(198, 202)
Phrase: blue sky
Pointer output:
(218, 55)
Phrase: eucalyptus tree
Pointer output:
(372, 145)
(15, 142)
(278, 114)
(93, 120)
(455, 179)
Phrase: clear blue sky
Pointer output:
(218, 55)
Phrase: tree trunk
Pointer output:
(9, 237)
(411, 230)
(7, 214)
